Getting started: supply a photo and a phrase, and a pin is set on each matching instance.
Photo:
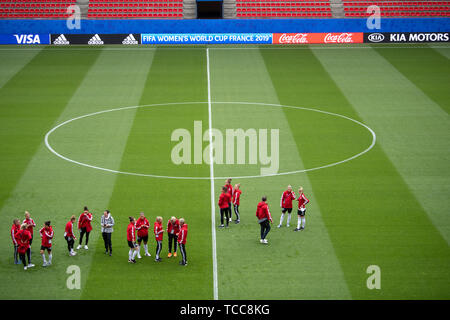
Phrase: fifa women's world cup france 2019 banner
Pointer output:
(206, 38)
(251, 38)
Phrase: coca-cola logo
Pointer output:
(338, 38)
(307, 38)
(293, 38)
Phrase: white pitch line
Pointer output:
(211, 176)
(244, 47)
(50, 148)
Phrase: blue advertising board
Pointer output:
(25, 39)
(122, 26)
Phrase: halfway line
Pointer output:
(211, 175)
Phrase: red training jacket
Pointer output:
(302, 200)
(14, 229)
(23, 238)
(262, 211)
(229, 190)
(131, 232)
(158, 230)
(173, 228)
(32, 225)
(84, 221)
(237, 196)
(182, 235)
(286, 199)
(223, 200)
(47, 236)
(68, 231)
(142, 226)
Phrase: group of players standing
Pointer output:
(22, 236)
(22, 233)
(231, 195)
(177, 230)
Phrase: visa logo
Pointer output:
(27, 39)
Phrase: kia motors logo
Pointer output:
(338, 38)
(375, 37)
(292, 39)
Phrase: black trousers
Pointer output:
(82, 232)
(265, 228)
(16, 254)
(158, 249)
(236, 211)
(70, 243)
(183, 252)
(107, 240)
(22, 257)
(224, 213)
(173, 238)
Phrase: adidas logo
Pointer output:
(95, 40)
(61, 40)
(130, 40)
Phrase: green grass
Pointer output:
(387, 208)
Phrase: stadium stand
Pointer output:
(173, 9)
(126, 9)
(283, 9)
(135, 9)
(355, 8)
(35, 8)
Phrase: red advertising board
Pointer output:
(305, 38)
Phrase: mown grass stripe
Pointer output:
(427, 69)
(445, 51)
(10, 63)
(242, 76)
(413, 129)
(30, 103)
(174, 76)
(369, 211)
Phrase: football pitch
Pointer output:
(365, 130)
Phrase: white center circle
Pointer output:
(47, 144)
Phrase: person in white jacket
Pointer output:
(107, 223)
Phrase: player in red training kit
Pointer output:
(131, 238)
(30, 228)
(70, 236)
(236, 201)
(14, 229)
(173, 227)
(182, 237)
(142, 226)
(158, 230)
(286, 205)
(302, 202)
(30, 225)
(84, 225)
(23, 238)
(229, 187)
(47, 235)
(224, 206)
(264, 217)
